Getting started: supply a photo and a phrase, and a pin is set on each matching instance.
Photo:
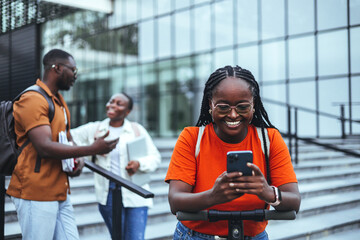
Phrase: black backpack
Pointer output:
(9, 151)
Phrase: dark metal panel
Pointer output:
(19, 65)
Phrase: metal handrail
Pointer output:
(116, 203)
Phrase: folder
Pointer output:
(136, 149)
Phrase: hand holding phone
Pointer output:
(237, 162)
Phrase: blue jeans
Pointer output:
(44, 220)
(184, 233)
(133, 220)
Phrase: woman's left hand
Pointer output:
(255, 184)
(132, 167)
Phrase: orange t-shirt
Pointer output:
(51, 183)
(202, 172)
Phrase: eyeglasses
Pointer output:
(73, 69)
(241, 108)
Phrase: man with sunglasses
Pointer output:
(39, 186)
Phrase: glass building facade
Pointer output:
(304, 54)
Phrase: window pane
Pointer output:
(296, 95)
(247, 22)
(202, 28)
(355, 95)
(182, 33)
(146, 41)
(302, 57)
(355, 50)
(333, 53)
(331, 93)
(224, 23)
(164, 6)
(147, 8)
(273, 61)
(223, 58)
(164, 43)
(301, 16)
(200, 1)
(354, 12)
(331, 14)
(131, 11)
(132, 80)
(248, 59)
(181, 4)
(166, 78)
(273, 24)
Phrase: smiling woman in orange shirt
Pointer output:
(231, 112)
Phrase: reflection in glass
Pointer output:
(272, 19)
(247, 22)
(202, 30)
(301, 16)
(331, 14)
(224, 24)
(182, 33)
(302, 57)
(355, 50)
(248, 59)
(273, 61)
(333, 53)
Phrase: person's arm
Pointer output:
(182, 199)
(41, 139)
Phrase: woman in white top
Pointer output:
(134, 212)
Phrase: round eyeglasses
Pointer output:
(241, 108)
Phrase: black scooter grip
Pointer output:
(277, 215)
(187, 216)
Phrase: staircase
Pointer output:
(329, 184)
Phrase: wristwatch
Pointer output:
(277, 197)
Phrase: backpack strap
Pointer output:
(51, 113)
(135, 128)
(200, 134)
(264, 140)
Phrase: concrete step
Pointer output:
(331, 186)
(314, 227)
(324, 175)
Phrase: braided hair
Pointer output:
(260, 116)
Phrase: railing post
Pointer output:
(116, 213)
(2, 206)
(289, 130)
(296, 137)
(342, 119)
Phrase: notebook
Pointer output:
(136, 149)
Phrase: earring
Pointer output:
(210, 111)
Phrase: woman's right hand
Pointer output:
(223, 190)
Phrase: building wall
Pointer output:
(303, 54)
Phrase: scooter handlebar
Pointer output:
(196, 216)
(260, 214)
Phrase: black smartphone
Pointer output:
(237, 160)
